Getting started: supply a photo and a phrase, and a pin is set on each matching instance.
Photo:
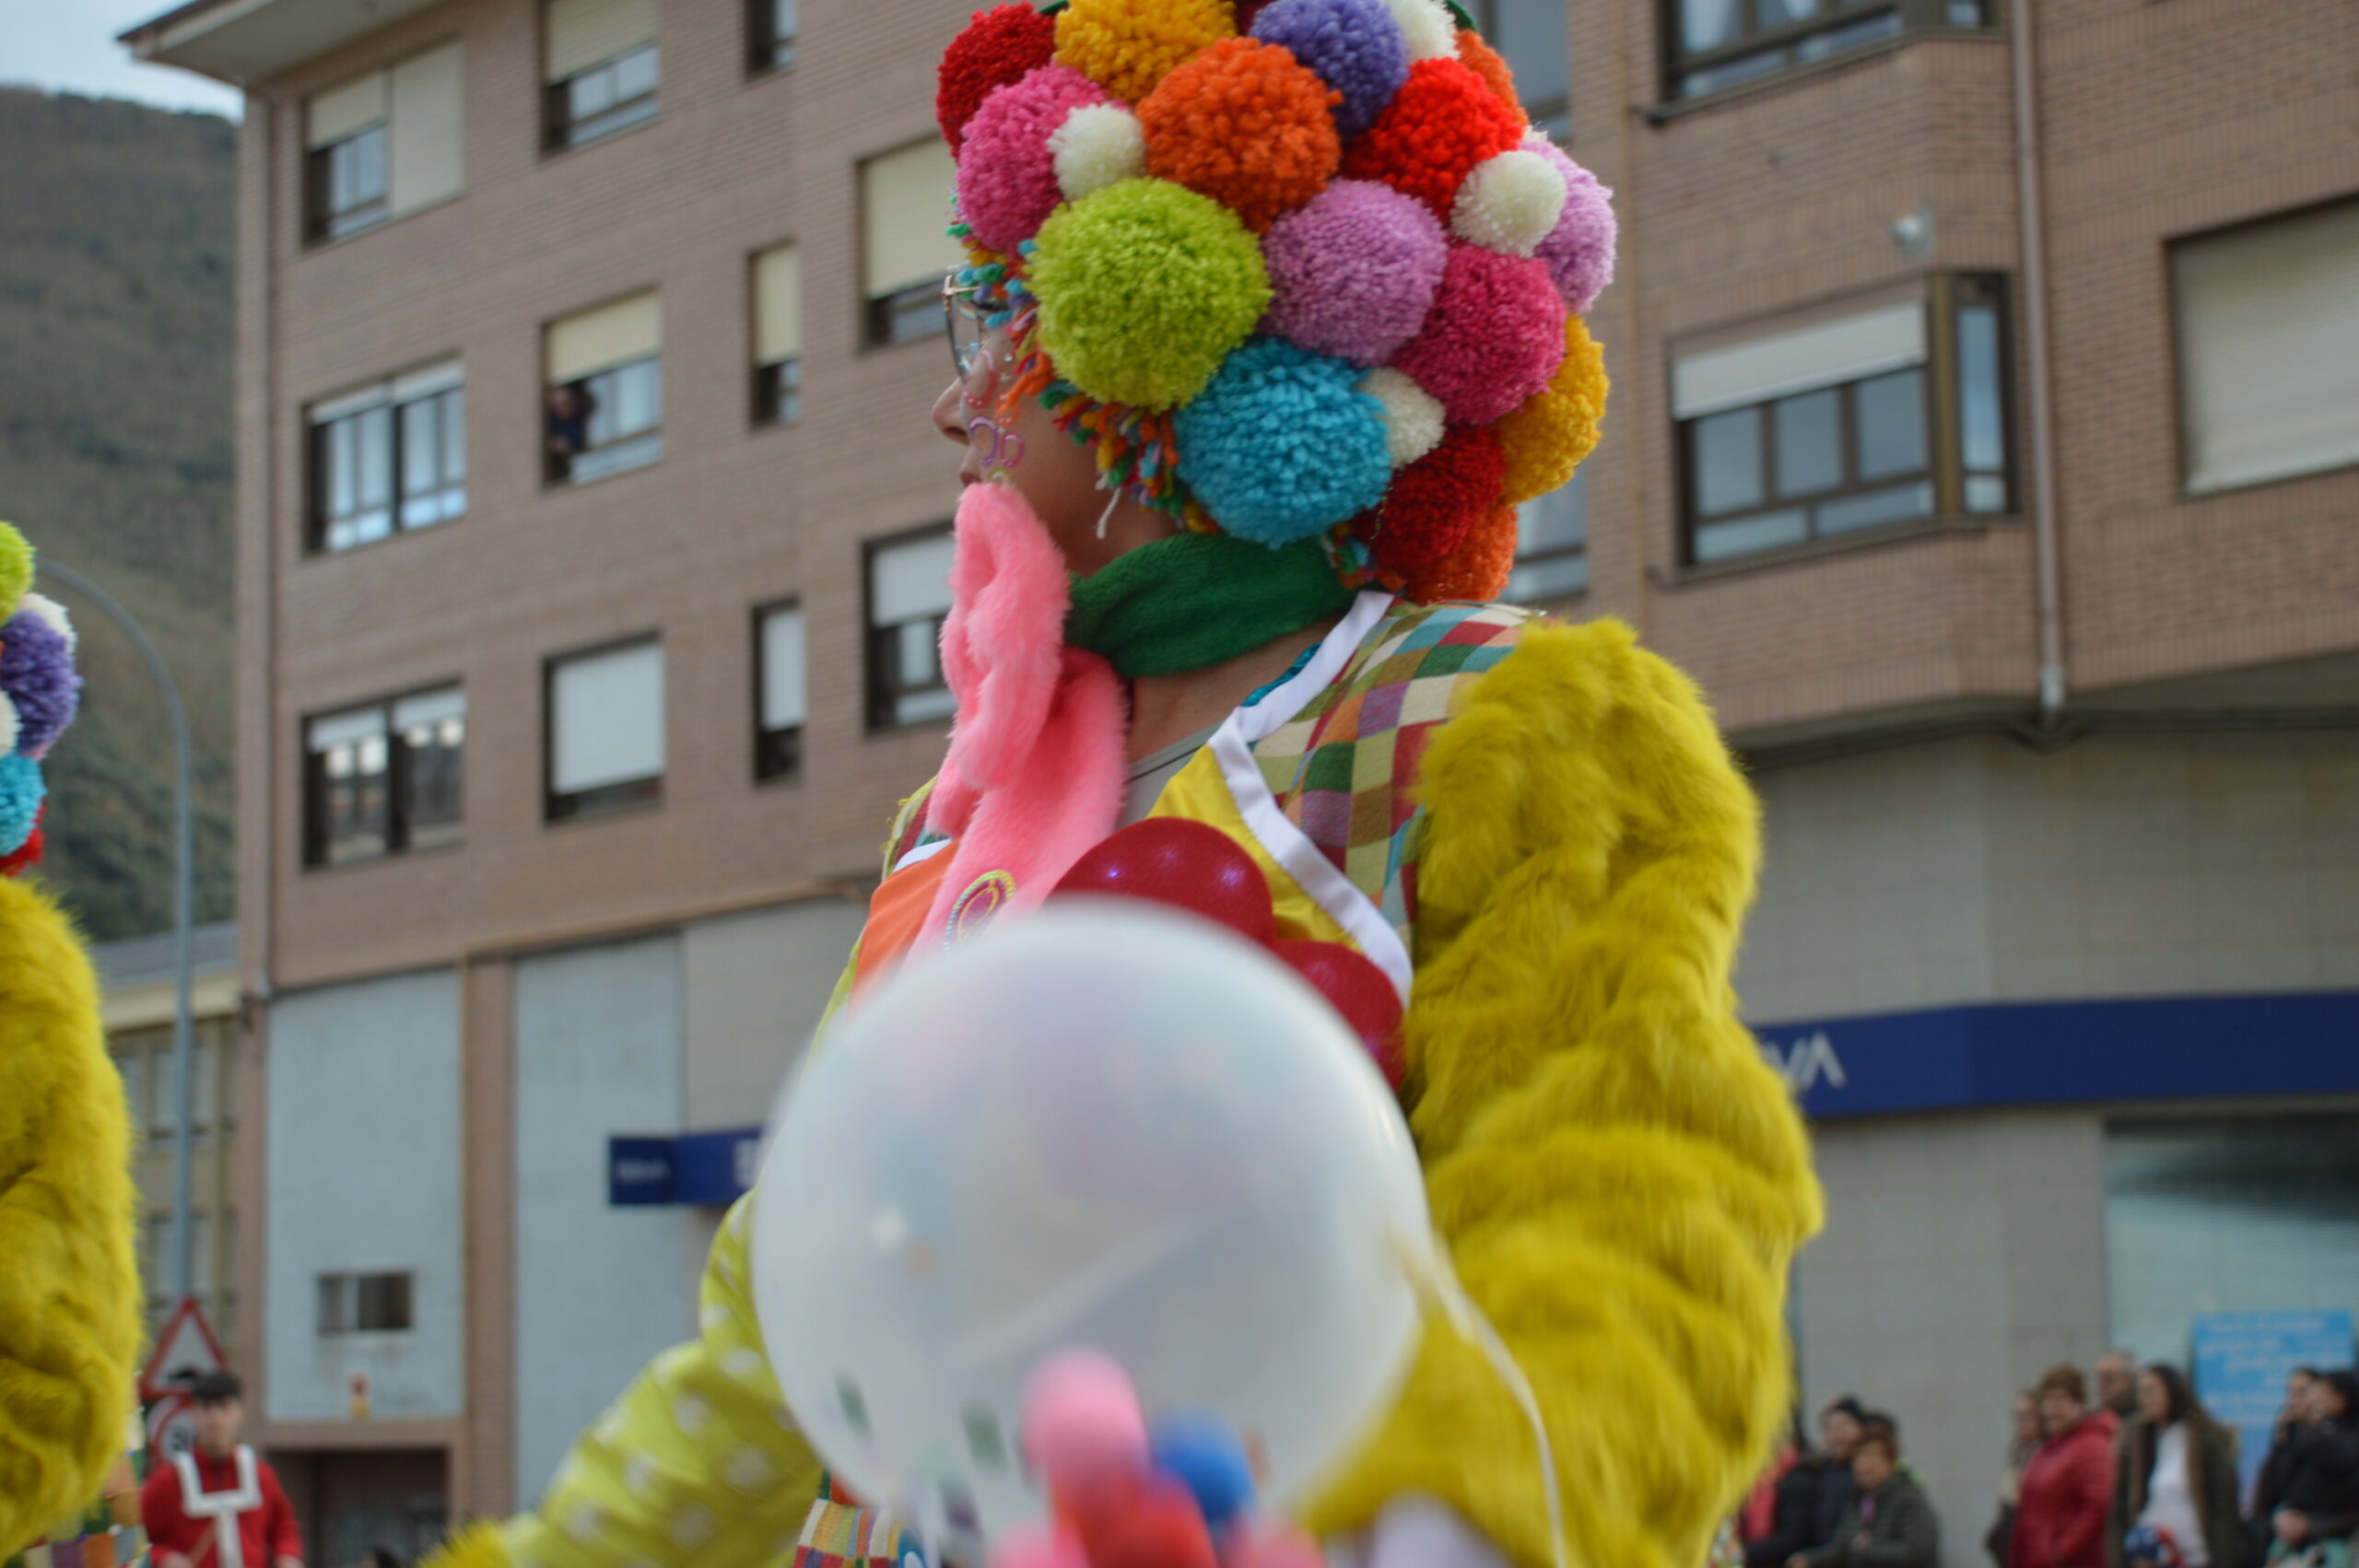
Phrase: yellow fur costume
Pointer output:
(70, 1298)
(1621, 1179)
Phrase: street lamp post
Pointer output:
(183, 926)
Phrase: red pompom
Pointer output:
(27, 854)
(1162, 1529)
(999, 46)
(1443, 122)
(1355, 987)
(1190, 864)
(1435, 501)
(1477, 570)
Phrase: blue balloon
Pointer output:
(1201, 1454)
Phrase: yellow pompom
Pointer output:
(1127, 46)
(1546, 438)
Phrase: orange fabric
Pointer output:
(897, 912)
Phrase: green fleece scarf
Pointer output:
(1193, 600)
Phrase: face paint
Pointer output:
(1002, 449)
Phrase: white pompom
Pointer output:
(1412, 416)
(1428, 26)
(8, 724)
(53, 614)
(1098, 145)
(1509, 202)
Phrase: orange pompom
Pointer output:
(1443, 122)
(1492, 66)
(1478, 569)
(1248, 124)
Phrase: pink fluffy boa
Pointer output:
(1035, 774)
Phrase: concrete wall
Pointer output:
(363, 1172)
(755, 986)
(599, 1290)
(1978, 870)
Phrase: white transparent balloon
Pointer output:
(1102, 1125)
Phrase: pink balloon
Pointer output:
(1190, 864)
(1037, 1545)
(1082, 1419)
(1358, 989)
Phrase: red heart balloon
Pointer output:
(1190, 864)
(1358, 989)
(1163, 1528)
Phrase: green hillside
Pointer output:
(115, 333)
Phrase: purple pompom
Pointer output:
(37, 672)
(1580, 249)
(1354, 45)
(1353, 271)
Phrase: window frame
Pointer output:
(1909, 18)
(401, 838)
(625, 797)
(877, 703)
(777, 753)
(318, 523)
(562, 133)
(778, 391)
(881, 314)
(323, 225)
(338, 1294)
(767, 53)
(625, 454)
(1940, 396)
(1556, 556)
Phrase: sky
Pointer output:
(68, 46)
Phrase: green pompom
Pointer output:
(15, 569)
(1144, 287)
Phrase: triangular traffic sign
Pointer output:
(184, 1349)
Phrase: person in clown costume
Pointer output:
(70, 1296)
(1274, 315)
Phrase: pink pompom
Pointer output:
(1081, 1416)
(1494, 336)
(1007, 171)
(1353, 271)
(1265, 1544)
(1579, 252)
(1036, 1546)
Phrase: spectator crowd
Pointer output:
(2140, 1477)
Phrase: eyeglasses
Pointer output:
(964, 320)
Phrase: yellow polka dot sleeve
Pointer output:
(699, 1461)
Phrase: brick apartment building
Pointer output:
(1983, 440)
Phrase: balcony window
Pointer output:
(605, 742)
(601, 67)
(1716, 44)
(383, 144)
(905, 241)
(777, 335)
(1552, 544)
(908, 595)
(366, 1303)
(604, 396)
(1834, 427)
(781, 698)
(390, 457)
(2268, 317)
(770, 30)
(385, 778)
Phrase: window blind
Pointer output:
(606, 718)
(356, 105)
(427, 139)
(599, 340)
(786, 699)
(905, 217)
(778, 305)
(1779, 363)
(578, 34)
(911, 581)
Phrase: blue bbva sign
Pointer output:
(2064, 1052)
(701, 1169)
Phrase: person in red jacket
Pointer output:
(2068, 1486)
(219, 1506)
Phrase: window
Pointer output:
(385, 144)
(1534, 36)
(770, 28)
(386, 779)
(601, 65)
(780, 697)
(2269, 349)
(365, 1303)
(1830, 429)
(1714, 44)
(389, 456)
(605, 390)
(905, 240)
(909, 594)
(1552, 544)
(605, 730)
(777, 336)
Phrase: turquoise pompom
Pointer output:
(21, 790)
(1282, 444)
